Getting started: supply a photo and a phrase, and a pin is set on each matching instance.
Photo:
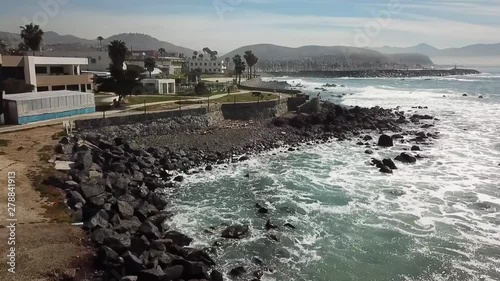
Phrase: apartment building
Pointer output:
(48, 73)
(207, 65)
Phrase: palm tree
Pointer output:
(162, 51)
(200, 56)
(251, 60)
(213, 55)
(150, 64)
(32, 36)
(239, 67)
(117, 51)
(100, 39)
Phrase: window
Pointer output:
(57, 70)
(83, 88)
(58, 88)
(205, 64)
(73, 88)
(42, 89)
(191, 64)
(89, 86)
(93, 61)
(41, 70)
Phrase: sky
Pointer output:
(224, 25)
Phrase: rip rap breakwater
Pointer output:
(383, 73)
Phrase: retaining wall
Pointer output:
(261, 110)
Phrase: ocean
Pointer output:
(436, 220)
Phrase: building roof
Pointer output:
(41, 95)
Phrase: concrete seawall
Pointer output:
(385, 73)
(165, 122)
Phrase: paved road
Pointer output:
(116, 112)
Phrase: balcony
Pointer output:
(54, 80)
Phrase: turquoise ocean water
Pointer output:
(436, 220)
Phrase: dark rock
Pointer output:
(270, 225)
(158, 200)
(178, 238)
(238, 271)
(125, 226)
(397, 192)
(129, 278)
(139, 244)
(243, 158)
(258, 274)
(385, 141)
(386, 170)
(481, 97)
(107, 256)
(368, 151)
(179, 179)
(397, 136)
(235, 231)
(201, 256)
(272, 237)
(216, 276)
(99, 220)
(118, 242)
(119, 167)
(367, 138)
(74, 198)
(192, 270)
(124, 209)
(99, 234)
(289, 225)
(406, 158)
(154, 274)
(389, 163)
(149, 230)
(209, 168)
(415, 148)
(132, 263)
(91, 189)
(263, 210)
(174, 272)
(145, 210)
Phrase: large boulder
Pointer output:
(149, 230)
(235, 231)
(406, 158)
(124, 209)
(385, 141)
(389, 163)
(132, 263)
(91, 189)
(178, 238)
(153, 274)
(118, 242)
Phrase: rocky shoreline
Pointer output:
(118, 187)
(382, 73)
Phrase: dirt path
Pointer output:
(46, 243)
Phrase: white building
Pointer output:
(160, 86)
(48, 73)
(207, 66)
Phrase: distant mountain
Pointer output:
(476, 50)
(147, 42)
(267, 52)
(423, 48)
(55, 41)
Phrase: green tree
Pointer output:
(122, 82)
(162, 51)
(251, 60)
(32, 36)
(117, 52)
(150, 64)
(201, 56)
(195, 55)
(239, 67)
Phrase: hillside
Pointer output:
(267, 52)
(55, 41)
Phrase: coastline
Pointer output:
(118, 186)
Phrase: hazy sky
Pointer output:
(227, 24)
